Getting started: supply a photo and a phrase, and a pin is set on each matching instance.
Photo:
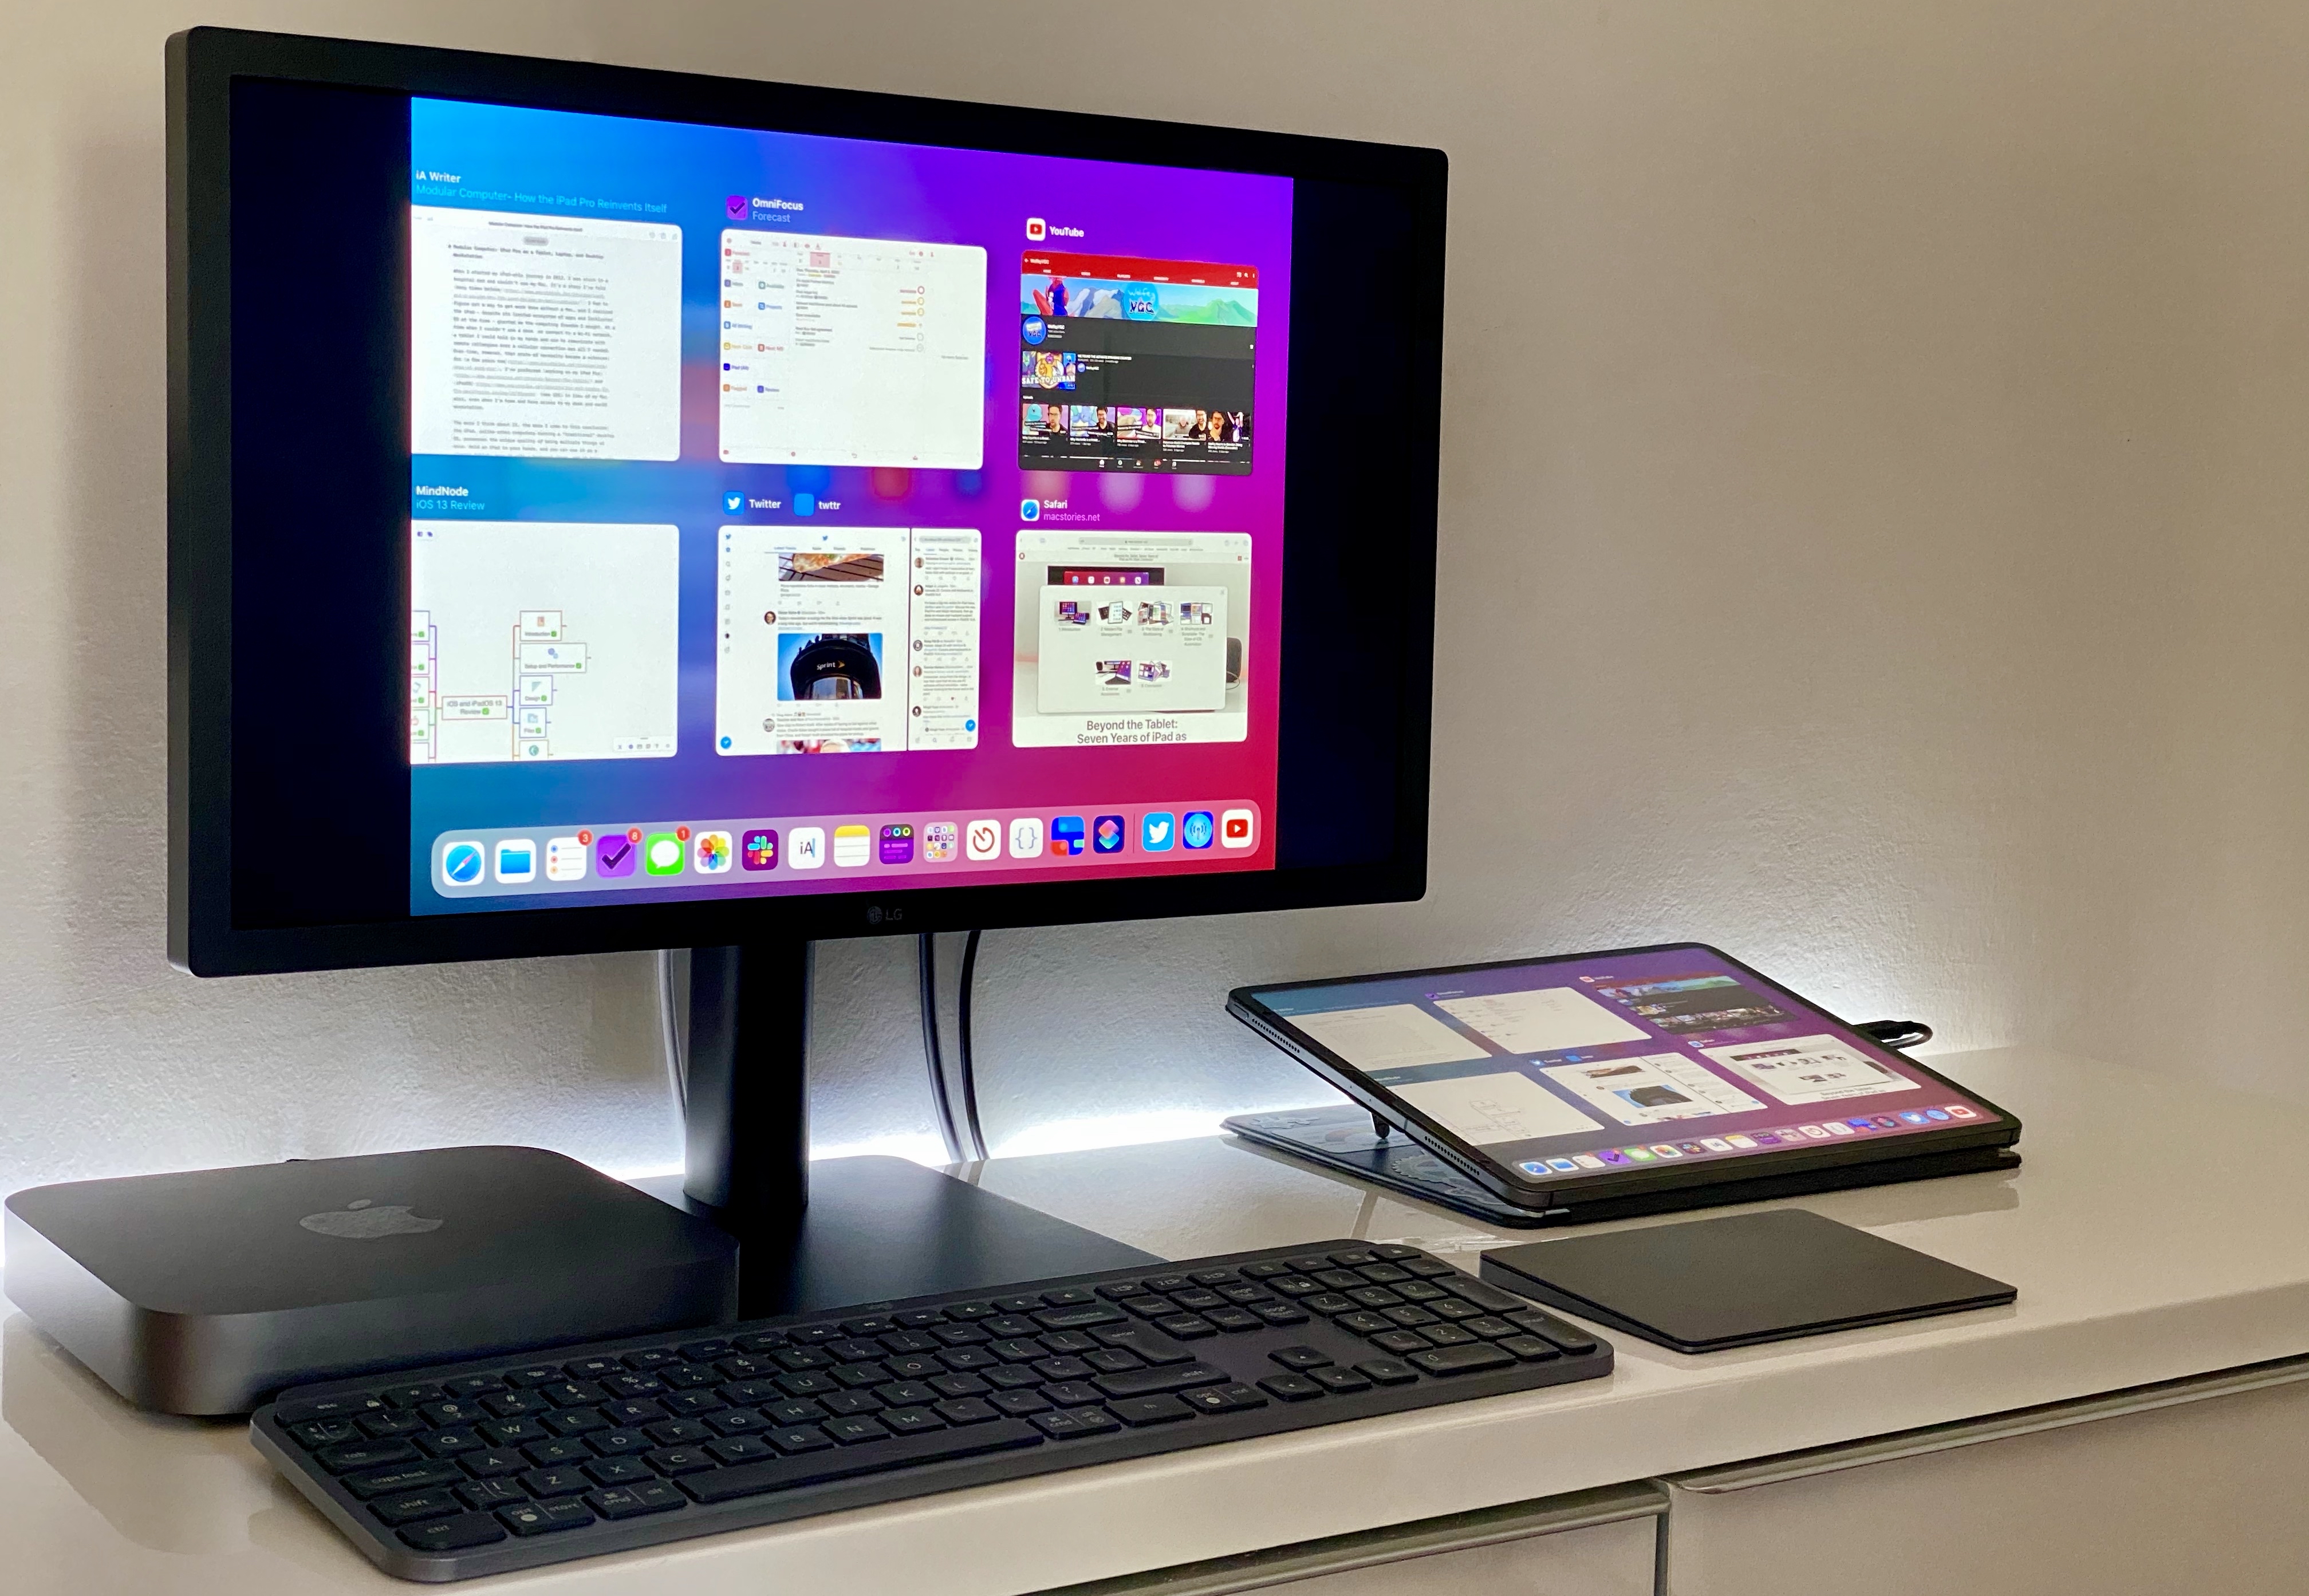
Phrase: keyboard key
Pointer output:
(493, 1493)
(1339, 1380)
(1309, 1262)
(1364, 1323)
(797, 1411)
(1016, 1376)
(1329, 1303)
(1234, 1319)
(618, 1471)
(453, 1412)
(815, 1335)
(1068, 1343)
(1167, 1283)
(737, 1421)
(1386, 1371)
(843, 1404)
(536, 1374)
(965, 1409)
(959, 1385)
(1294, 1285)
(659, 1357)
(364, 1454)
(631, 1413)
(1383, 1274)
(900, 1394)
(680, 1460)
(1150, 1307)
(1447, 1335)
(1146, 1382)
(1018, 1404)
(914, 1367)
(1266, 1269)
(693, 1405)
(963, 1360)
(1112, 1360)
(1223, 1399)
(742, 1449)
(1070, 1426)
(963, 1312)
(1410, 1318)
(1356, 1259)
(1299, 1358)
(1281, 1313)
(572, 1393)
(410, 1506)
(855, 1431)
(690, 1376)
(305, 1409)
(1451, 1308)
(1213, 1277)
(1401, 1341)
(1121, 1289)
(912, 1422)
(917, 1318)
(409, 1396)
(1245, 1293)
(391, 1424)
(1186, 1327)
(707, 1352)
(513, 1404)
(1490, 1328)
(874, 1324)
(678, 1432)
(811, 1384)
(547, 1454)
(541, 1518)
(800, 1439)
(403, 1477)
(493, 1464)
(1072, 1393)
(1374, 1297)
(633, 1501)
(577, 1421)
(797, 1359)
(1573, 1340)
(1291, 1388)
(1426, 1268)
(1420, 1291)
(1338, 1280)
(1080, 1317)
(591, 1368)
(1139, 1411)
(1396, 1253)
(454, 1534)
(859, 1376)
(1531, 1349)
(1460, 1360)
(1488, 1297)
(556, 1482)
(450, 1442)
(620, 1443)
(1198, 1299)
(1144, 1341)
(325, 1432)
(897, 1452)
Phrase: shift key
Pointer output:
(1147, 1382)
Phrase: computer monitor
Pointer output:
(615, 509)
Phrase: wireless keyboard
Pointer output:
(477, 1468)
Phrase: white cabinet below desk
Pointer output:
(2195, 1485)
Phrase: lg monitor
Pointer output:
(614, 509)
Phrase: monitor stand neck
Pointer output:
(849, 1230)
(746, 1109)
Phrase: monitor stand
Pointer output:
(841, 1230)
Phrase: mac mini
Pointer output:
(205, 1292)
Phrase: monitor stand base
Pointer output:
(878, 1229)
(842, 1230)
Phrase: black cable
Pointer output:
(926, 966)
(969, 1069)
(1895, 1033)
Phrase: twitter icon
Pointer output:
(732, 503)
(1155, 832)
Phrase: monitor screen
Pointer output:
(623, 509)
(790, 512)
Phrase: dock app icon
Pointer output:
(983, 839)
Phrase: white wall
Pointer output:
(1872, 514)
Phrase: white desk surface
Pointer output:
(2160, 1228)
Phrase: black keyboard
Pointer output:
(476, 1468)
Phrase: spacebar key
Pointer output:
(812, 1468)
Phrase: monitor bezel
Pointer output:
(203, 937)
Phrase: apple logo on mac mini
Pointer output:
(363, 1221)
